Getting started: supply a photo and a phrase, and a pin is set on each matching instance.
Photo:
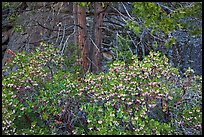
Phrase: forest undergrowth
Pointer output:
(39, 96)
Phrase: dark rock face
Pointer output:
(38, 25)
(187, 52)
(53, 22)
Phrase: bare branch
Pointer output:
(155, 37)
(108, 45)
(106, 29)
(92, 62)
(62, 36)
(94, 43)
(165, 7)
(120, 14)
(127, 11)
(66, 41)
(58, 32)
(132, 41)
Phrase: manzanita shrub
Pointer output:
(35, 91)
(145, 97)
(142, 97)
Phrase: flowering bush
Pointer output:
(35, 92)
(144, 97)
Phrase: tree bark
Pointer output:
(97, 35)
(80, 37)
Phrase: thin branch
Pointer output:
(165, 7)
(58, 32)
(114, 23)
(132, 41)
(106, 29)
(156, 37)
(66, 41)
(88, 68)
(107, 44)
(127, 11)
(125, 20)
(62, 36)
(60, 8)
(120, 14)
(128, 15)
(92, 62)
(94, 43)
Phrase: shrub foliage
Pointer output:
(142, 97)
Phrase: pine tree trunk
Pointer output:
(97, 35)
(81, 34)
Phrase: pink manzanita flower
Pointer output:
(84, 88)
(98, 85)
(105, 92)
(92, 82)
(133, 75)
(14, 96)
(111, 95)
(86, 80)
(80, 93)
(160, 95)
(154, 83)
(115, 87)
(10, 85)
(146, 73)
(190, 112)
(92, 91)
(118, 69)
(115, 94)
(143, 68)
(152, 105)
(63, 111)
(140, 76)
(22, 108)
(109, 78)
(120, 85)
(150, 83)
(146, 94)
(27, 87)
(122, 74)
(129, 103)
(170, 98)
(198, 126)
(96, 95)
(138, 101)
(35, 84)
